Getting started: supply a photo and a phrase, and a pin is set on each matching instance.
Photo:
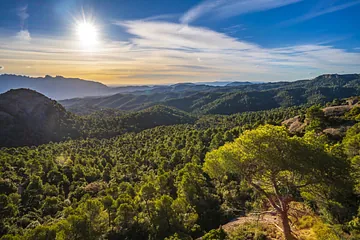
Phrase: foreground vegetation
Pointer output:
(182, 181)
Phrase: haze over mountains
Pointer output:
(84, 97)
(60, 88)
(201, 99)
(37, 119)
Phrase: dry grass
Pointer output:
(305, 225)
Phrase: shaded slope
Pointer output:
(102, 126)
(30, 118)
(229, 100)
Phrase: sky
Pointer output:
(172, 41)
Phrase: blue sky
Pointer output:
(158, 41)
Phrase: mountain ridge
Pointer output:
(30, 118)
(228, 99)
(61, 88)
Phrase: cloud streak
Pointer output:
(161, 17)
(165, 52)
(229, 8)
(23, 34)
(319, 12)
(23, 15)
(234, 29)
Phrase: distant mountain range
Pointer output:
(63, 88)
(60, 88)
(30, 118)
(84, 97)
(226, 83)
(235, 98)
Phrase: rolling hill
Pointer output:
(227, 100)
(29, 118)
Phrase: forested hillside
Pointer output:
(228, 99)
(277, 151)
(185, 180)
(179, 120)
(30, 118)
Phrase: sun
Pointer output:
(87, 34)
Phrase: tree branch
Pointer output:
(277, 193)
(262, 191)
(307, 184)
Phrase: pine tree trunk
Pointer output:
(286, 226)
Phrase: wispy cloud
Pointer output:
(23, 14)
(193, 67)
(230, 8)
(168, 52)
(23, 34)
(177, 36)
(319, 11)
(234, 29)
(161, 17)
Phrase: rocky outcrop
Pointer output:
(332, 114)
(335, 111)
(295, 125)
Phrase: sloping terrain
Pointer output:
(100, 125)
(151, 184)
(227, 100)
(30, 118)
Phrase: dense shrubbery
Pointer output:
(151, 184)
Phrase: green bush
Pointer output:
(249, 231)
(215, 234)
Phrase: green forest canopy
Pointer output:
(152, 184)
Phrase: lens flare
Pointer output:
(87, 34)
(87, 31)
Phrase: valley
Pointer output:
(140, 165)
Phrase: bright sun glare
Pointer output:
(87, 34)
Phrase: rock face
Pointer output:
(30, 118)
(336, 110)
(295, 125)
(336, 129)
